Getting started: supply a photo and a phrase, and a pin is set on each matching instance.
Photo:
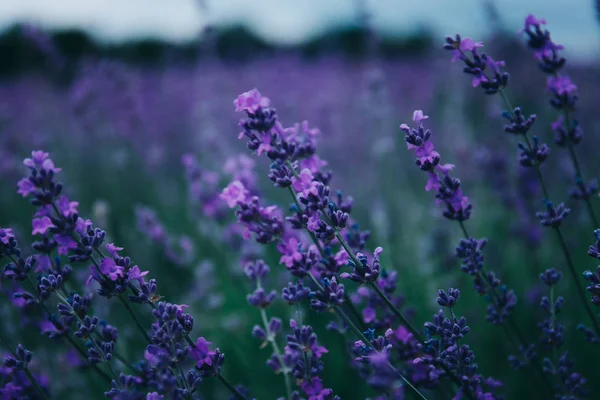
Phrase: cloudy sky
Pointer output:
(573, 22)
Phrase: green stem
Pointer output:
(579, 174)
(578, 285)
(35, 383)
(512, 327)
(366, 341)
(135, 319)
(563, 244)
(276, 350)
(231, 388)
(377, 290)
(108, 366)
(28, 373)
(84, 357)
(317, 243)
(553, 319)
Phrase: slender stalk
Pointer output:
(366, 341)
(510, 325)
(377, 290)
(28, 373)
(231, 388)
(578, 285)
(84, 356)
(182, 375)
(134, 318)
(66, 336)
(108, 366)
(136, 291)
(35, 383)
(553, 319)
(304, 353)
(317, 243)
(33, 289)
(578, 171)
(276, 350)
(563, 244)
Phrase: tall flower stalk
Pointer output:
(57, 219)
(295, 166)
(487, 74)
(564, 99)
(449, 194)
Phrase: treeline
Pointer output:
(23, 48)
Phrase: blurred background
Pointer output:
(119, 92)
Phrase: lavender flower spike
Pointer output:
(564, 98)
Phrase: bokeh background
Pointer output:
(120, 91)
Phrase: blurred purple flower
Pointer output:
(41, 225)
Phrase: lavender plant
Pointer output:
(170, 344)
(532, 153)
(564, 99)
(335, 315)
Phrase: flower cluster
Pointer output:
(564, 98)
(64, 233)
(448, 189)
(444, 347)
(303, 356)
(18, 381)
(476, 64)
(179, 250)
(569, 383)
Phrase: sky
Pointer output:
(573, 22)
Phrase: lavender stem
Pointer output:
(231, 388)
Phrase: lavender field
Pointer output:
(285, 226)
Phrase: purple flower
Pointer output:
(295, 293)
(6, 235)
(65, 243)
(448, 189)
(558, 124)
(201, 354)
(41, 225)
(418, 117)
(364, 272)
(305, 184)
(66, 207)
(113, 250)
(134, 273)
(476, 64)
(40, 160)
(313, 163)
(108, 268)
(426, 153)
(290, 252)
(261, 299)
(369, 314)
(466, 44)
(304, 339)
(234, 194)
(332, 295)
(155, 355)
(250, 101)
(154, 396)
(26, 187)
(315, 391)
(561, 85)
(532, 21)
(314, 222)
(545, 50)
(256, 270)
